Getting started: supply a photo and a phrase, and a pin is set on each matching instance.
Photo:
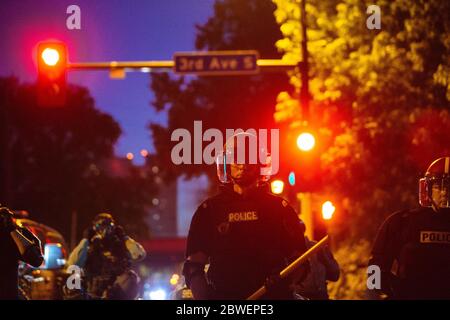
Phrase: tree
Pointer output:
(382, 98)
(373, 91)
(221, 102)
(59, 161)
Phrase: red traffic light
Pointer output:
(50, 56)
(306, 141)
(277, 186)
(52, 64)
(328, 210)
(52, 59)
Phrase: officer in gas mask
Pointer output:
(105, 255)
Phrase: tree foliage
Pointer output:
(380, 97)
(61, 161)
(221, 102)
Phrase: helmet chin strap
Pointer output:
(434, 205)
(437, 208)
(246, 181)
(243, 186)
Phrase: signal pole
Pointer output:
(303, 64)
(5, 162)
(304, 198)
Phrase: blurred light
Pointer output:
(130, 156)
(50, 56)
(174, 279)
(21, 214)
(328, 210)
(306, 141)
(144, 153)
(158, 294)
(145, 69)
(155, 201)
(155, 169)
(53, 256)
(158, 180)
(61, 262)
(277, 186)
(291, 178)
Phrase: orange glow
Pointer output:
(174, 279)
(130, 156)
(50, 56)
(328, 210)
(306, 141)
(144, 153)
(277, 186)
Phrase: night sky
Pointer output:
(110, 30)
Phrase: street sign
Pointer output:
(215, 63)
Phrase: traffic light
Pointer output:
(306, 141)
(52, 65)
(277, 186)
(323, 221)
(328, 210)
(291, 178)
(303, 160)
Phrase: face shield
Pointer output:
(242, 161)
(434, 188)
(440, 192)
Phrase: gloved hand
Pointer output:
(274, 283)
(88, 233)
(7, 222)
(119, 232)
(96, 243)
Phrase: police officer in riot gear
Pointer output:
(244, 233)
(324, 268)
(16, 243)
(105, 254)
(412, 248)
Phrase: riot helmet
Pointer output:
(434, 187)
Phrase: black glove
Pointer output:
(272, 281)
(7, 223)
(119, 232)
(275, 285)
(96, 242)
(88, 233)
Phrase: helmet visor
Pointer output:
(440, 191)
(225, 159)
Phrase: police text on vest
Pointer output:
(434, 237)
(242, 216)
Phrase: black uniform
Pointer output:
(416, 245)
(246, 238)
(107, 259)
(9, 260)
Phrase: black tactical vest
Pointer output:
(423, 255)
